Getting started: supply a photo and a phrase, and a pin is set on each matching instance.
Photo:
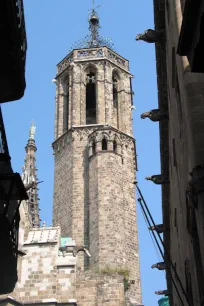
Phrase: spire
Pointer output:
(94, 26)
(32, 131)
(94, 39)
(29, 176)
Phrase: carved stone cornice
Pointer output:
(95, 55)
(90, 131)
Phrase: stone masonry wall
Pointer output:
(94, 197)
(94, 289)
(112, 204)
(106, 113)
(62, 206)
(186, 128)
(131, 230)
(106, 227)
(44, 273)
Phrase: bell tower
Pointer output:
(95, 157)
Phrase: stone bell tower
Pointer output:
(95, 157)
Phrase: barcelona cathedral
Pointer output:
(90, 255)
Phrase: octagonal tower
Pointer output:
(95, 158)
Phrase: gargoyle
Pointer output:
(78, 249)
(159, 266)
(158, 179)
(162, 292)
(32, 185)
(158, 228)
(151, 36)
(155, 115)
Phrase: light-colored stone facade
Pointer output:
(181, 94)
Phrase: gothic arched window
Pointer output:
(66, 105)
(91, 98)
(104, 144)
(114, 146)
(93, 147)
(115, 91)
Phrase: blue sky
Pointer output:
(52, 27)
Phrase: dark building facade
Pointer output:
(180, 115)
(191, 42)
(13, 50)
(12, 191)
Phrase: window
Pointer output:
(91, 98)
(168, 10)
(66, 109)
(175, 217)
(114, 146)
(182, 5)
(188, 282)
(115, 91)
(179, 105)
(174, 152)
(104, 144)
(94, 147)
(173, 68)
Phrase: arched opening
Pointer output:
(66, 105)
(114, 146)
(104, 144)
(93, 147)
(91, 98)
(115, 91)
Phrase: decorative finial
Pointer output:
(94, 26)
(32, 131)
(94, 39)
